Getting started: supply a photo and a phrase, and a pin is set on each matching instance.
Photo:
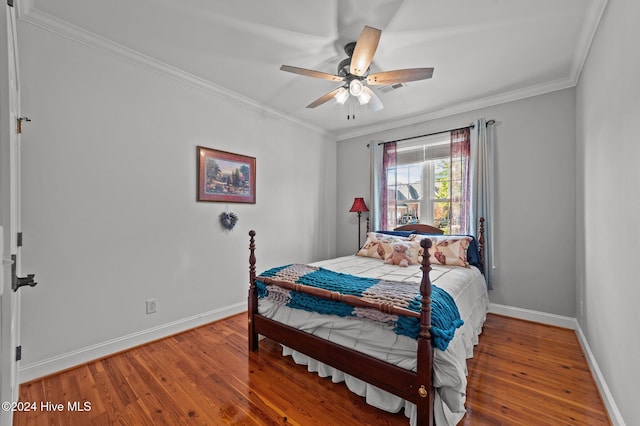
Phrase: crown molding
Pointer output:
(476, 104)
(589, 30)
(29, 14)
(47, 22)
(23, 7)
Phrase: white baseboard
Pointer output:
(572, 324)
(61, 362)
(607, 398)
(535, 316)
(81, 356)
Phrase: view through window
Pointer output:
(419, 184)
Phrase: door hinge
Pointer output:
(19, 125)
(19, 239)
(10, 3)
(18, 353)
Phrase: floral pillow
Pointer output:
(379, 246)
(447, 249)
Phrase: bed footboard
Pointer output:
(416, 387)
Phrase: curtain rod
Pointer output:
(471, 126)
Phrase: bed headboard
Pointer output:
(420, 227)
(417, 227)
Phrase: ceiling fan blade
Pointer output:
(400, 76)
(311, 73)
(324, 98)
(374, 104)
(365, 49)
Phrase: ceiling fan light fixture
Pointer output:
(364, 98)
(353, 74)
(356, 87)
(342, 95)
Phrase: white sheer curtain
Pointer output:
(375, 215)
(482, 188)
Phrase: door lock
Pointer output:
(16, 281)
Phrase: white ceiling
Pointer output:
(484, 51)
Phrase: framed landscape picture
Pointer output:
(225, 177)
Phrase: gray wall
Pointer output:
(608, 201)
(535, 197)
(109, 211)
(110, 218)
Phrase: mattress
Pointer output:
(465, 285)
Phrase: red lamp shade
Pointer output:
(358, 206)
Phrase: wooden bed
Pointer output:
(414, 386)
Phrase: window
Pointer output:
(424, 183)
(405, 187)
(441, 196)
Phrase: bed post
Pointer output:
(481, 243)
(253, 293)
(424, 384)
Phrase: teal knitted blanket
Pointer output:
(445, 318)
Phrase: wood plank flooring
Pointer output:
(522, 373)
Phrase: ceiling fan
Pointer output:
(354, 72)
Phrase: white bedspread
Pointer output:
(465, 285)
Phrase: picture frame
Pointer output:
(225, 177)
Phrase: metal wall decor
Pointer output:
(228, 220)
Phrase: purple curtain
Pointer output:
(460, 187)
(389, 182)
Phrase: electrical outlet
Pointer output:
(152, 306)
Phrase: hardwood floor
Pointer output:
(530, 374)
(522, 373)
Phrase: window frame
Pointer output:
(427, 201)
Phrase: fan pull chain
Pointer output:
(350, 115)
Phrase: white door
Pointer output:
(9, 212)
